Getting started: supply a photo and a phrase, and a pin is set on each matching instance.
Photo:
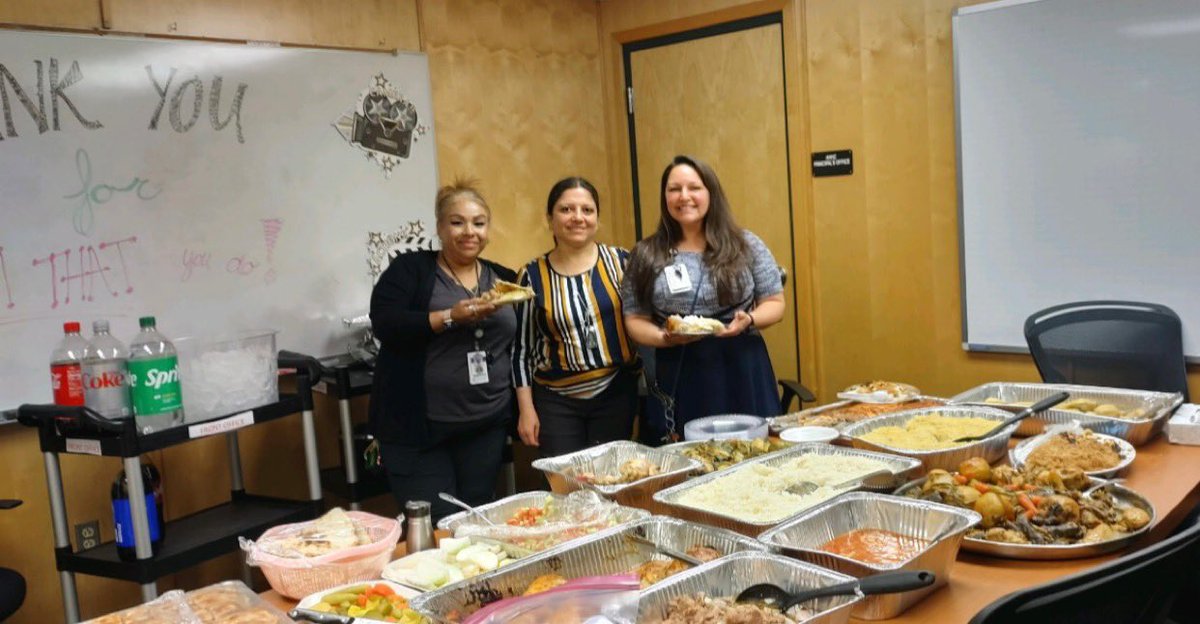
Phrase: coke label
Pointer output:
(66, 380)
(106, 388)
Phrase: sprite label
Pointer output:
(154, 385)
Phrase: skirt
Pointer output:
(710, 377)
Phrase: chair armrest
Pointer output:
(793, 389)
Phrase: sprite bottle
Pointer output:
(154, 380)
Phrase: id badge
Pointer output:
(477, 367)
(678, 280)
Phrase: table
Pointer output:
(1166, 474)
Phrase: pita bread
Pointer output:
(692, 325)
(506, 293)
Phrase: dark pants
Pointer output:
(464, 460)
(569, 424)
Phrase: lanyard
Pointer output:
(668, 400)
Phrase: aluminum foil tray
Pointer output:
(1158, 405)
(1019, 453)
(779, 423)
(1058, 551)
(728, 576)
(902, 469)
(679, 448)
(992, 448)
(606, 459)
(606, 552)
(803, 536)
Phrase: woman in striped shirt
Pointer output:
(574, 366)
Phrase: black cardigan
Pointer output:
(400, 320)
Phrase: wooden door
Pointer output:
(718, 94)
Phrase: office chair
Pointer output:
(12, 584)
(1122, 344)
(1137, 588)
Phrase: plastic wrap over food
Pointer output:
(169, 608)
(609, 599)
(337, 536)
(557, 520)
(232, 601)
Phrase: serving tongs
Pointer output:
(670, 552)
(1040, 406)
(320, 617)
(776, 597)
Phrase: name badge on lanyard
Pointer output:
(477, 367)
(678, 279)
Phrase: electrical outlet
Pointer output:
(87, 535)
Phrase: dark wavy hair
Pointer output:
(725, 254)
(564, 185)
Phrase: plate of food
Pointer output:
(880, 392)
(692, 325)
(1096, 454)
(368, 601)
(453, 560)
(1035, 513)
(507, 293)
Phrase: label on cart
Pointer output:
(90, 447)
(225, 425)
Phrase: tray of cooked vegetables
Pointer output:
(623, 471)
(619, 550)
(717, 455)
(1133, 415)
(535, 521)
(1038, 513)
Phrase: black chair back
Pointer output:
(1135, 589)
(1121, 344)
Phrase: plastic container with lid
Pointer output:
(726, 427)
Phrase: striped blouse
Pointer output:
(552, 346)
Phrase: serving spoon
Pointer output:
(776, 597)
(1040, 406)
(454, 501)
(804, 488)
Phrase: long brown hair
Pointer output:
(725, 252)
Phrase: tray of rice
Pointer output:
(1095, 454)
(1135, 416)
(705, 593)
(753, 496)
(612, 551)
(623, 471)
(929, 434)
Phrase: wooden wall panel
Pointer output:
(74, 14)
(517, 105)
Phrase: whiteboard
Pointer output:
(219, 187)
(1079, 171)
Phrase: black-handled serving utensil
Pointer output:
(1040, 406)
(777, 597)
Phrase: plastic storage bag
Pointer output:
(582, 512)
(589, 600)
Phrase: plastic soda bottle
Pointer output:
(154, 380)
(66, 367)
(105, 377)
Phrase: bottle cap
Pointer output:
(71, 327)
(146, 321)
(416, 508)
(100, 327)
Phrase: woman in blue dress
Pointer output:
(700, 262)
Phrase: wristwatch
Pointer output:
(447, 320)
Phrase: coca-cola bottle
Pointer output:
(105, 377)
(66, 367)
(123, 515)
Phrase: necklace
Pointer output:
(454, 275)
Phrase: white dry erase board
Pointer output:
(218, 187)
(1079, 160)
